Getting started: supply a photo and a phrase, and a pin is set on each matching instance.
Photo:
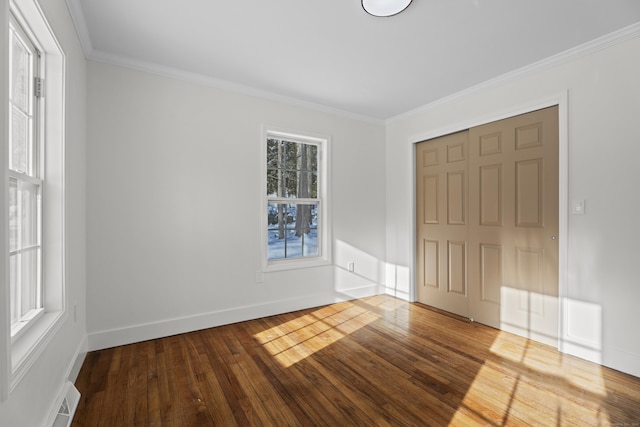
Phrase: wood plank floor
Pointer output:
(376, 361)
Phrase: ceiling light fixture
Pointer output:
(385, 7)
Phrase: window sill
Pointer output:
(24, 324)
(292, 264)
(26, 348)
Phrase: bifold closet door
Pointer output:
(513, 209)
(487, 224)
(441, 169)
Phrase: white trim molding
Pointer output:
(79, 21)
(28, 347)
(163, 328)
(323, 142)
(585, 49)
(80, 24)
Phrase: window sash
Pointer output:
(289, 240)
(24, 67)
(281, 171)
(25, 185)
(25, 249)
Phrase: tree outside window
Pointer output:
(292, 199)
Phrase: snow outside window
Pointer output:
(295, 200)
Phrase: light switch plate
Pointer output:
(578, 207)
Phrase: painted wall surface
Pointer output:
(173, 207)
(30, 403)
(602, 288)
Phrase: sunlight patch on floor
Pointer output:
(509, 384)
(303, 336)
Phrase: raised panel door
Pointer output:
(441, 201)
(487, 224)
(513, 224)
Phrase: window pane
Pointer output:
(14, 223)
(290, 154)
(19, 147)
(20, 73)
(308, 169)
(23, 214)
(307, 185)
(291, 184)
(272, 183)
(292, 230)
(23, 283)
(29, 281)
(13, 287)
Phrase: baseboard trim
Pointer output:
(63, 415)
(70, 377)
(621, 360)
(164, 328)
(78, 359)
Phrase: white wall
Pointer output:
(173, 207)
(602, 285)
(30, 403)
(172, 203)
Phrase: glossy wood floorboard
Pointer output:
(376, 361)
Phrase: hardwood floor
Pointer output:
(376, 361)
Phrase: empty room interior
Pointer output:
(340, 212)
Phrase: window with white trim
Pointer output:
(25, 180)
(35, 187)
(295, 219)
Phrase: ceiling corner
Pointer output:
(79, 22)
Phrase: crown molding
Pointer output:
(574, 53)
(80, 24)
(77, 16)
(585, 49)
(201, 79)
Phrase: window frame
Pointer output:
(32, 176)
(322, 142)
(24, 349)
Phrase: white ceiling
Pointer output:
(333, 54)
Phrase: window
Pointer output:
(295, 220)
(25, 181)
(35, 110)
